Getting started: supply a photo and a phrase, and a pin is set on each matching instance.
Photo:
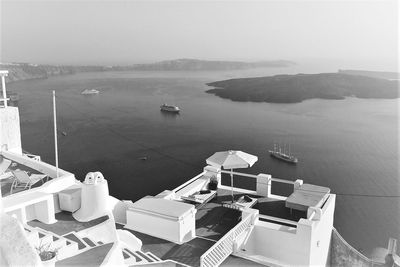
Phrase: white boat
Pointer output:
(169, 108)
(90, 92)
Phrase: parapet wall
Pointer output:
(10, 133)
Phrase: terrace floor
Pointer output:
(66, 224)
(266, 206)
(236, 261)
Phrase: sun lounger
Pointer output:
(25, 181)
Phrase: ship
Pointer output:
(90, 92)
(169, 108)
(51, 217)
(282, 154)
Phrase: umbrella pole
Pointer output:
(232, 185)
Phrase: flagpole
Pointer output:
(55, 131)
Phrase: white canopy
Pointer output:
(232, 159)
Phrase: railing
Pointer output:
(279, 221)
(188, 182)
(221, 250)
(255, 176)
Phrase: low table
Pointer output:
(200, 198)
(307, 195)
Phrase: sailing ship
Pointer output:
(282, 154)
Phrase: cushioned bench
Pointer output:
(307, 195)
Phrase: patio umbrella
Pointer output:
(231, 160)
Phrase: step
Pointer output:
(137, 257)
(65, 247)
(73, 237)
(46, 237)
(154, 257)
(89, 241)
(129, 259)
(126, 255)
(144, 256)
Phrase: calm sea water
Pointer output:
(349, 145)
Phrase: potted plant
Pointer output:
(213, 184)
(47, 254)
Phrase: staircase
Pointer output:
(74, 243)
(139, 257)
(221, 250)
(41, 238)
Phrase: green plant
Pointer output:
(45, 252)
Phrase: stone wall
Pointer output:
(342, 254)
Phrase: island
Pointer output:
(300, 87)
(187, 64)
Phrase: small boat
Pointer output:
(283, 155)
(90, 92)
(14, 97)
(169, 108)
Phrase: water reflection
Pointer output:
(169, 115)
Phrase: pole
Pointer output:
(232, 185)
(3, 85)
(55, 131)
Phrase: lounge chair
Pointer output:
(25, 181)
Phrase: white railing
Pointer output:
(188, 182)
(221, 250)
(255, 176)
(276, 220)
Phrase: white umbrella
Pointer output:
(231, 160)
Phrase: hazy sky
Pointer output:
(123, 32)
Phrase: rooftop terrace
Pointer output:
(7, 178)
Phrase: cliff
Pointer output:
(296, 88)
(27, 71)
(374, 74)
(203, 65)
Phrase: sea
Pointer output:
(350, 146)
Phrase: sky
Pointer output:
(126, 32)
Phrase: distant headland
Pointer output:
(376, 74)
(300, 87)
(26, 71)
